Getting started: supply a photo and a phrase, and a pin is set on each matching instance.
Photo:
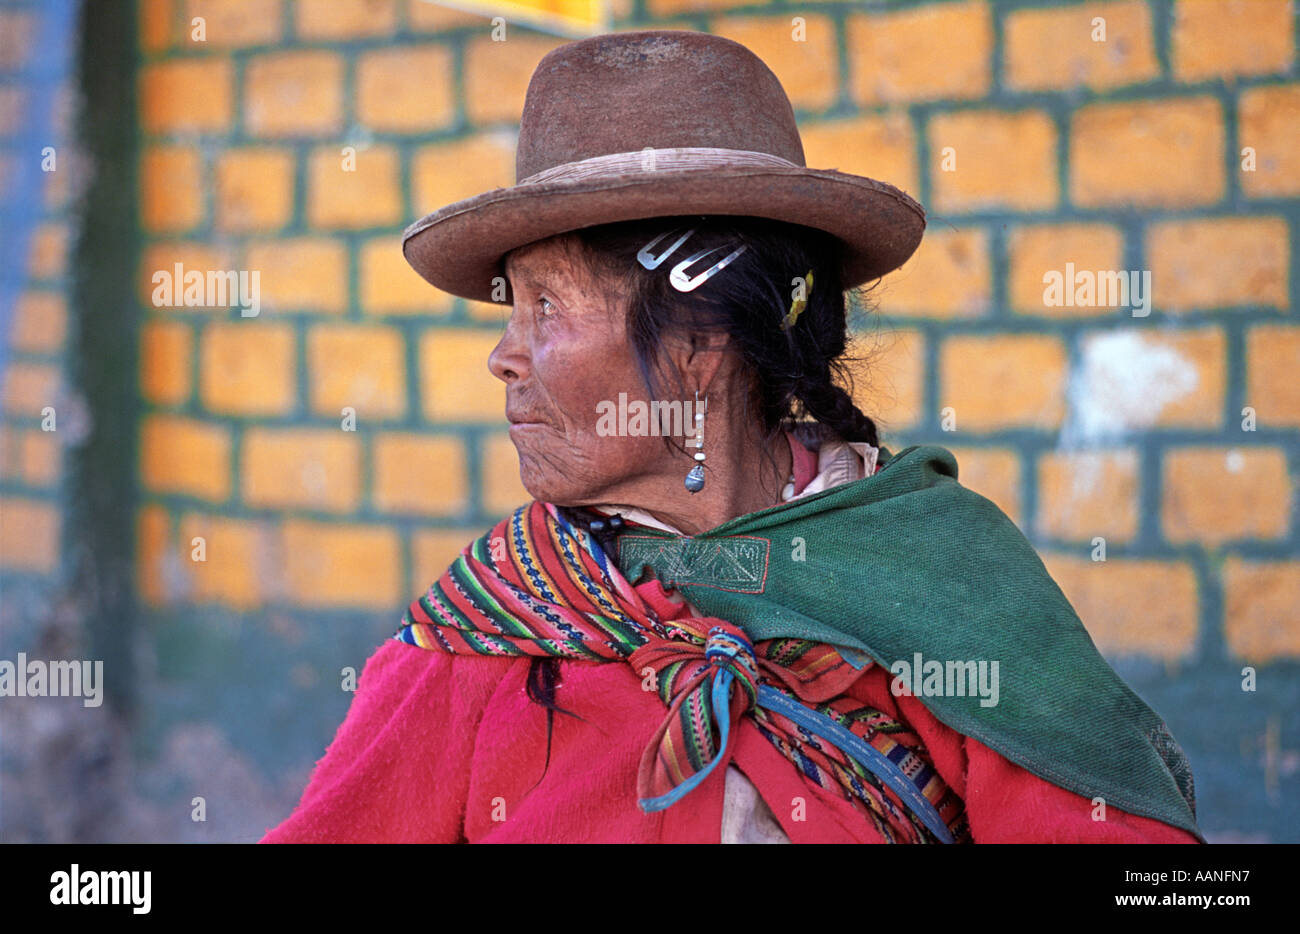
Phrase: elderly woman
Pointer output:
(729, 614)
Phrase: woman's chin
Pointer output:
(546, 487)
(544, 484)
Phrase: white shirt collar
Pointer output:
(838, 462)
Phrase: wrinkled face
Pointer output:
(564, 352)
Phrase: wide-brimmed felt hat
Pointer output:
(656, 123)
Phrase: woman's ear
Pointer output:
(706, 359)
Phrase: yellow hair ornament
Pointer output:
(799, 304)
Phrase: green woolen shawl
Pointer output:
(909, 561)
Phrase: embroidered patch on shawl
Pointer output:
(737, 563)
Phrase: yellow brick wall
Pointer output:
(1031, 144)
(36, 238)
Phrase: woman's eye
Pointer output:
(543, 303)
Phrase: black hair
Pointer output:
(797, 373)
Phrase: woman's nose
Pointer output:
(509, 358)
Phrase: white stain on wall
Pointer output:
(1123, 382)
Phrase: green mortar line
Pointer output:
(997, 52)
(1162, 24)
(1211, 646)
(1232, 193)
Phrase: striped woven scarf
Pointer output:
(537, 585)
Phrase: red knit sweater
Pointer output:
(442, 748)
(445, 748)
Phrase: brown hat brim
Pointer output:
(459, 248)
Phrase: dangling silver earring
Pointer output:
(695, 479)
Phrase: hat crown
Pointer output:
(657, 89)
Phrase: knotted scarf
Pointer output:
(538, 585)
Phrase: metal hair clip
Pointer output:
(649, 260)
(678, 278)
(682, 283)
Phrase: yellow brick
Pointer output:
(186, 456)
(171, 188)
(30, 387)
(1149, 153)
(994, 473)
(1272, 388)
(447, 172)
(368, 194)
(497, 75)
(254, 189)
(165, 362)
(40, 458)
(503, 491)
(1139, 379)
(57, 196)
(29, 535)
(330, 565)
(1212, 38)
(155, 555)
(433, 551)
(1002, 160)
(1132, 607)
(48, 257)
(420, 475)
(157, 20)
(1054, 48)
(807, 67)
(237, 556)
(429, 16)
(294, 94)
(308, 468)
(883, 148)
(1082, 495)
(21, 454)
(363, 368)
(163, 257)
(10, 452)
(13, 104)
(889, 380)
(247, 368)
(1219, 262)
(663, 8)
(345, 19)
(1003, 381)
(947, 277)
(1267, 121)
(925, 53)
(1206, 349)
(1214, 495)
(455, 383)
(303, 274)
(40, 322)
(17, 38)
(406, 89)
(235, 23)
(10, 465)
(1260, 599)
(186, 95)
(390, 286)
(1038, 249)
